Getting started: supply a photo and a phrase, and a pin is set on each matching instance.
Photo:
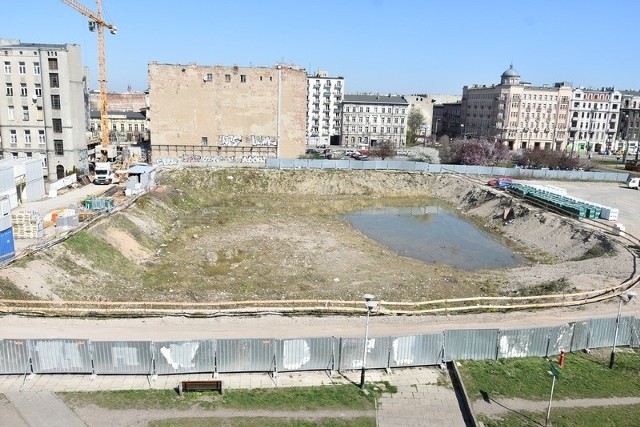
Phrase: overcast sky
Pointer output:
(385, 46)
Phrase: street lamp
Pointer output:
(368, 300)
(462, 132)
(625, 297)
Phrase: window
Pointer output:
(243, 78)
(54, 80)
(57, 125)
(204, 141)
(227, 78)
(36, 68)
(25, 113)
(121, 127)
(22, 68)
(209, 77)
(40, 114)
(53, 63)
(9, 89)
(38, 90)
(11, 115)
(7, 67)
(27, 138)
(41, 139)
(130, 127)
(55, 102)
(58, 147)
(135, 127)
(23, 89)
(13, 137)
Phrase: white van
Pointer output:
(633, 182)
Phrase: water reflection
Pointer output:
(434, 235)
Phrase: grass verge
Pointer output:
(341, 396)
(584, 376)
(604, 416)
(266, 422)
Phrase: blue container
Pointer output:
(7, 245)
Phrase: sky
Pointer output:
(378, 46)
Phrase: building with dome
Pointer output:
(516, 113)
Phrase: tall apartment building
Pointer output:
(518, 114)
(368, 120)
(628, 135)
(42, 111)
(324, 96)
(595, 114)
(233, 114)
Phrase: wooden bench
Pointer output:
(199, 385)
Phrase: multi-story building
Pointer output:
(124, 126)
(518, 114)
(368, 120)
(451, 124)
(324, 96)
(425, 104)
(595, 114)
(42, 110)
(628, 135)
(119, 101)
(233, 114)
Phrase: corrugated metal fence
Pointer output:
(80, 356)
(439, 168)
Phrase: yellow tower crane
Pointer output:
(96, 23)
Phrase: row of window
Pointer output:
(58, 145)
(374, 129)
(35, 66)
(365, 119)
(114, 127)
(54, 82)
(388, 110)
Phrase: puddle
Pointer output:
(434, 235)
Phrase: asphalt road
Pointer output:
(610, 194)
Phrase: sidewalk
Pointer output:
(418, 402)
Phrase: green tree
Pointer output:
(414, 121)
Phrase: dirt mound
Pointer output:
(220, 235)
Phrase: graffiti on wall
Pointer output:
(167, 161)
(230, 140)
(263, 141)
(194, 158)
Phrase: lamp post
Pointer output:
(625, 297)
(463, 134)
(368, 300)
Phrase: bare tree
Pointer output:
(414, 121)
(383, 150)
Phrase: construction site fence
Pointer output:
(273, 355)
(400, 165)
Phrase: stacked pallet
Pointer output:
(551, 196)
(27, 225)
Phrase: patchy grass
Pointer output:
(282, 399)
(9, 291)
(559, 286)
(613, 416)
(99, 253)
(266, 422)
(602, 248)
(584, 376)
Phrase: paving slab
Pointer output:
(43, 409)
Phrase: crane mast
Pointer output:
(98, 24)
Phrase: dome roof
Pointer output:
(510, 72)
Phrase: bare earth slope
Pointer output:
(212, 235)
